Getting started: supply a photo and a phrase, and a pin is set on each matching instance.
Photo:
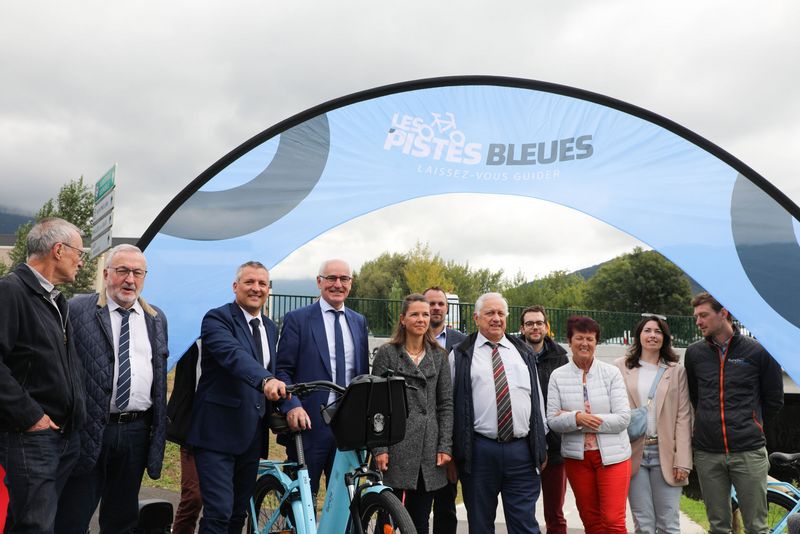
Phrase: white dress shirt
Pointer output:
(484, 397)
(140, 354)
(261, 330)
(329, 318)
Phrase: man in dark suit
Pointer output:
(323, 341)
(122, 341)
(445, 520)
(228, 430)
(41, 393)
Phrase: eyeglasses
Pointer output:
(123, 272)
(81, 252)
(332, 278)
(530, 324)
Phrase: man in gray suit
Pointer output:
(444, 502)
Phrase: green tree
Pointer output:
(469, 284)
(378, 278)
(640, 281)
(74, 203)
(424, 269)
(558, 289)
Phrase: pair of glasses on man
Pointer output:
(332, 278)
(531, 324)
(81, 253)
(123, 272)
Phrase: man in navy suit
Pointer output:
(228, 430)
(323, 341)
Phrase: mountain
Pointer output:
(10, 220)
(588, 272)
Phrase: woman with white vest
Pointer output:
(661, 457)
(588, 405)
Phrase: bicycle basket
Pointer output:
(371, 413)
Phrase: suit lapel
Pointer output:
(104, 318)
(270, 344)
(355, 333)
(633, 385)
(239, 320)
(662, 389)
(318, 331)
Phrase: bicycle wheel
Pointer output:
(383, 513)
(266, 499)
(779, 505)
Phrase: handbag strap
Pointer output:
(659, 374)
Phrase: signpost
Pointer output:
(103, 217)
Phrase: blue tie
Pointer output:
(338, 343)
(124, 376)
(254, 324)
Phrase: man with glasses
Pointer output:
(549, 356)
(122, 341)
(322, 341)
(41, 391)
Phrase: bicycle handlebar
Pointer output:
(303, 388)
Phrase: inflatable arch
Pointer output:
(722, 223)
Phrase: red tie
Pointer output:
(505, 422)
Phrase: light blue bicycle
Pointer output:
(370, 412)
(783, 499)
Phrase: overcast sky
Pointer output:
(165, 89)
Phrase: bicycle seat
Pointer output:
(783, 459)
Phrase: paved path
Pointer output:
(574, 523)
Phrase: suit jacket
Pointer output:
(673, 419)
(229, 404)
(94, 341)
(303, 355)
(179, 407)
(452, 338)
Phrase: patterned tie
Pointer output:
(338, 343)
(505, 421)
(255, 325)
(124, 376)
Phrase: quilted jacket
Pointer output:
(608, 399)
(94, 343)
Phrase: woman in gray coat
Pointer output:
(416, 467)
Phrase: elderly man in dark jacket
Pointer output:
(41, 395)
(498, 422)
(123, 342)
(549, 356)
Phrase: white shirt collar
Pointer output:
(112, 305)
(248, 317)
(481, 341)
(325, 306)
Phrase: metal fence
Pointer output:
(382, 315)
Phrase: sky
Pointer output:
(165, 89)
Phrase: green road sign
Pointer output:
(105, 184)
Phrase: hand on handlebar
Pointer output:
(382, 461)
(274, 389)
(298, 419)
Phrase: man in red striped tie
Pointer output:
(499, 430)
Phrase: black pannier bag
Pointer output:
(371, 413)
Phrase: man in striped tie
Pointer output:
(499, 423)
(122, 341)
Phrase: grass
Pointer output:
(695, 510)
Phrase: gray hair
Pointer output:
(121, 248)
(324, 265)
(46, 233)
(486, 296)
(252, 263)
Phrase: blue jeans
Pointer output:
(37, 465)
(655, 505)
(114, 482)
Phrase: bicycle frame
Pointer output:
(779, 488)
(341, 498)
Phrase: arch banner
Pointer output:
(710, 214)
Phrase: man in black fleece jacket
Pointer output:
(735, 386)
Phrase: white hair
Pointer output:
(325, 264)
(124, 247)
(486, 296)
(46, 233)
